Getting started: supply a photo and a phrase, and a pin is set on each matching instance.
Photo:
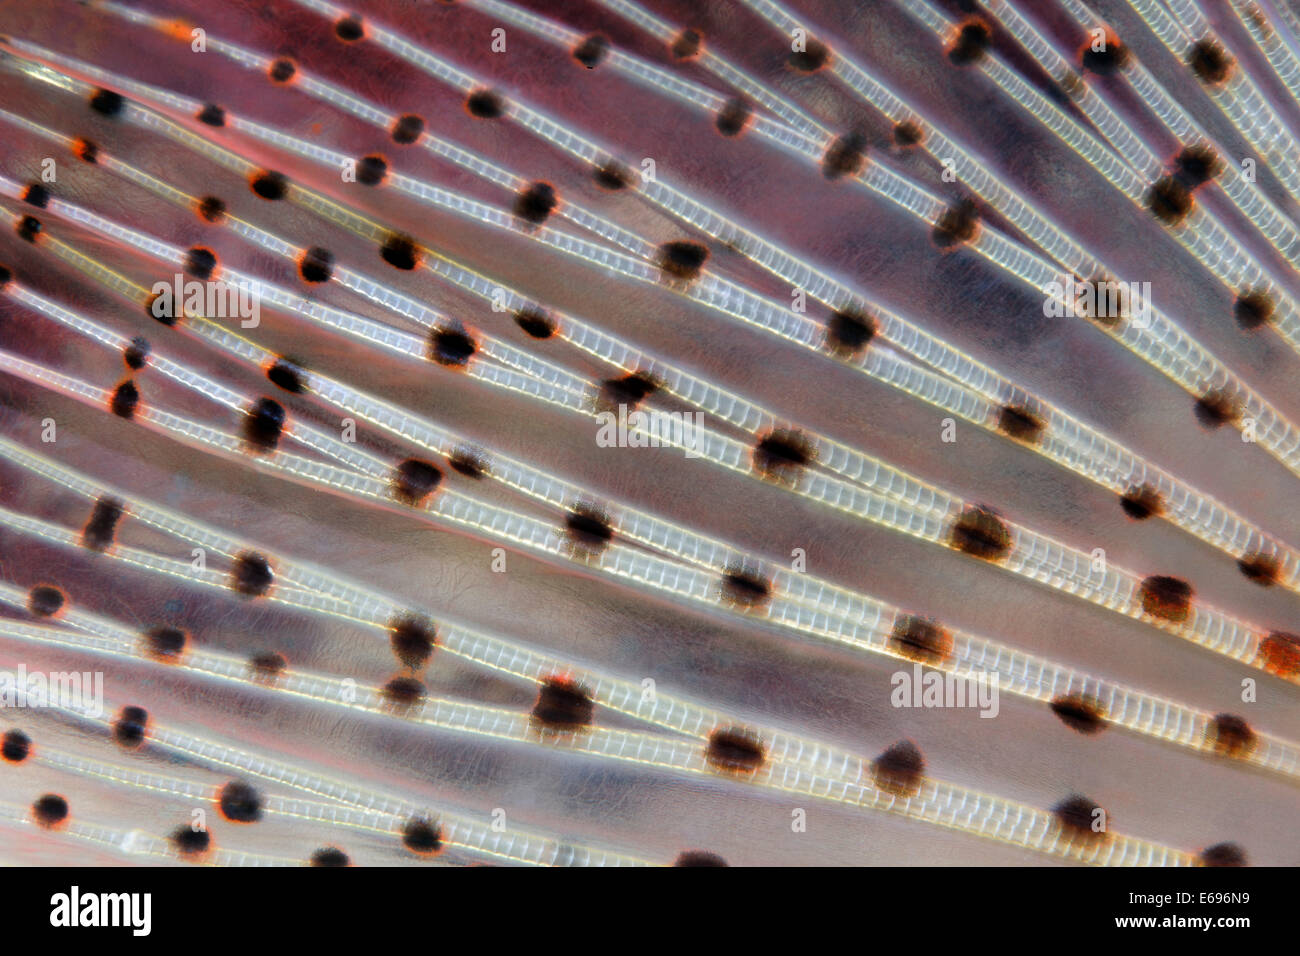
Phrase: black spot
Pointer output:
(971, 43)
(286, 375)
(1195, 165)
(1076, 815)
(733, 117)
(99, 530)
(200, 263)
(131, 725)
(959, 224)
(783, 453)
(267, 665)
(908, 133)
(485, 104)
(1020, 423)
(269, 184)
(745, 587)
(36, 195)
(407, 128)
(29, 228)
(535, 203)
(162, 311)
(1209, 61)
(400, 251)
(699, 858)
(468, 462)
(736, 750)
(107, 102)
(349, 29)
(630, 390)
(45, 600)
(6, 274)
(900, 769)
(165, 643)
(191, 842)
(1142, 502)
(811, 58)
(563, 705)
(452, 347)
(413, 639)
(613, 175)
(845, 156)
(535, 322)
(683, 259)
(849, 330)
(1223, 854)
(212, 115)
(17, 745)
(371, 170)
(1106, 62)
(403, 692)
(50, 809)
(421, 835)
(980, 532)
(1253, 308)
(263, 424)
(86, 151)
(1279, 653)
(329, 856)
(1264, 569)
(589, 529)
(211, 209)
(920, 639)
(414, 480)
(1216, 407)
(686, 45)
(591, 51)
(125, 399)
(240, 802)
(1169, 200)
(251, 574)
(1080, 713)
(1230, 735)
(316, 265)
(282, 70)
(1167, 598)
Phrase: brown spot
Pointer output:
(908, 134)
(1077, 816)
(282, 70)
(1230, 735)
(1196, 165)
(683, 259)
(589, 529)
(735, 750)
(1210, 61)
(1253, 308)
(811, 58)
(1107, 61)
(45, 600)
(1080, 712)
(1279, 654)
(50, 810)
(849, 330)
(899, 770)
(980, 532)
(1169, 200)
(85, 150)
(591, 50)
(613, 175)
(468, 462)
(687, 45)
(698, 858)
(267, 666)
(422, 836)
(1142, 502)
(125, 400)
(970, 43)
(959, 224)
(1167, 598)
(1217, 407)
(745, 587)
(407, 128)
(733, 117)
(414, 480)
(165, 644)
(1223, 854)
(920, 639)
(413, 639)
(1264, 569)
(535, 322)
(102, 527)
(485, 104)
(1018, 422)
(563, 704)
(845, 156)
(783, 453)
(629, 390)
(211, 209)
(402, 693)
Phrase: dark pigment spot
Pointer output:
(251, 574)
(263, 424)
